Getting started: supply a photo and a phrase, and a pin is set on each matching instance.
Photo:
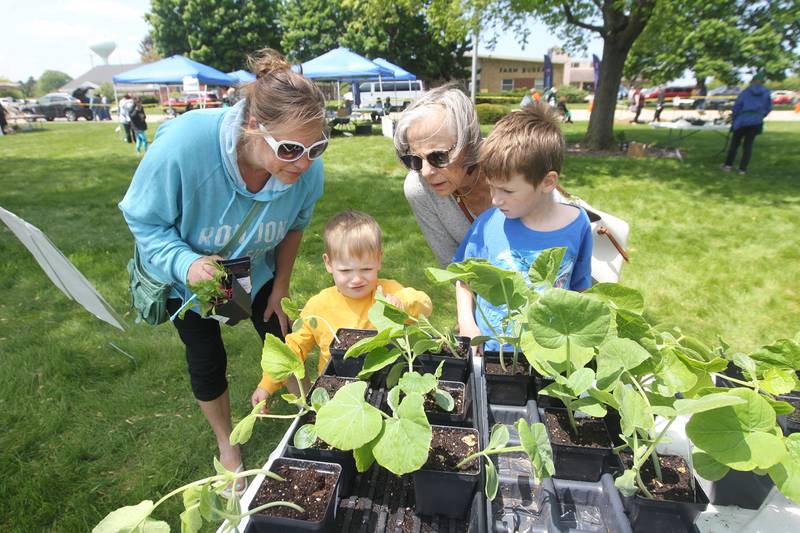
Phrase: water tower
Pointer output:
(104, 49)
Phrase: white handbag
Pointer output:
(609, 239)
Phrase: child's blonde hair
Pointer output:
(352, 234)
(527, 142)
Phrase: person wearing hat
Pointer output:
(752, 105)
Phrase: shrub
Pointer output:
(491, 113)
(498, 100)
(572, 94)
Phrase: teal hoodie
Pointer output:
(187, 198)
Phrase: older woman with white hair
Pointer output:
(437, 139)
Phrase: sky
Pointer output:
(39, 35)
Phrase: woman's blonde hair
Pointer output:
(352, 234)
(281, 97)
(460, 118)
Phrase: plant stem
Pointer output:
(328, 324)
(486, 453)
(569, 360)
(571, 416)
(273, 504)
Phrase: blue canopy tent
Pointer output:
(243, 77)
(172, 70)
(342, 64)
(398, 73)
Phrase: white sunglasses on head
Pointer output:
(293, 150)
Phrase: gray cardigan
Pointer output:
(441, 220)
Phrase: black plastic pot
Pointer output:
(326, 455)
(454, 418)
(790, 423)
(502, 389)
(443, 493)
(347, 367)
(454, 369)
(238, 306)
(663, 516)
(581, 463)
(745, 489)
(264, 523)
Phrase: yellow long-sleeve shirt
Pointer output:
(342, 312)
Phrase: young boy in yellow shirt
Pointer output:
(353, 256)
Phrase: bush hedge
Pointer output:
(491, 113)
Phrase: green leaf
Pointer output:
(786, 474)
(616, 356)
(384, 315)
(778, 380)
(364, 457)
(404, 443)
(561, 315)
(289, 398)
(347, 421)
(191, 520)
(492, 482)
(626, 483)
(536, 444)
(413, 382)
(368, 344)
(618, 297)
(634, 411)
(739, 436)
(780, 407)
(437, 275)
(319, 397)
(290, 308)
(493, 284)
(535, 353)
(444, 399)
(297, 325)
(479, 340)
(580, 381)
(631, 325)
(211, 506)
(305, 436)
(279, 361)
(707, 467)
(673, 375)
(546, 266)
(499, 437)
(377, 359)
(394, 374)
(706, 403)
(244, 429)
(426, 345)
(126, 518)
(590, 406)
(393, 399)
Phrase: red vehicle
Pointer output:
(189, 101)
(670, 91)
(783, 97)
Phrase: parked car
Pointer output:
(670, 92)
(722, 97)
(189, 101)
(58, 105)
(397, 92)
(783, 97)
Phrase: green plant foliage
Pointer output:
(491, 113)
(561, 316)
(406, 438)
(786, 474)
(208, 291)
(347, 421)
(279, 361)
(130, 517)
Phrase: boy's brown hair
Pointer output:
(527, 142)
(352, 234)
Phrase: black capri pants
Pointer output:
(205, 352)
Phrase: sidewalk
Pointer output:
(670, 114)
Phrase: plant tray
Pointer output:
(507, 389)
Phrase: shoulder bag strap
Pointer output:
(248, 218)
(602, 230)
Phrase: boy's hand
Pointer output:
(394, 300)
(259, 395)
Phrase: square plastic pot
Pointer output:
(236, 308)
(581, 463)
(744, 489)
(790, 425)
(663, 516)
(263, 523)
(347, 367)
(454, 419)
(342, 458)
(443, 493)
(504, 389)
(454, 369)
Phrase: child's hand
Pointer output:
(259, 395)
(394, 300)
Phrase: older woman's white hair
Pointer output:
(461, 120)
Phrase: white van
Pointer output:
(398, 92)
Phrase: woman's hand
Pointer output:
(470, 329)
(259, 395)
(274, 306)
(202, 268)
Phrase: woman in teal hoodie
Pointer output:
(196, 184)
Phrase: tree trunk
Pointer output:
(600, 135)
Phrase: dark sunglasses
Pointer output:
(293, 150)
(437, 158)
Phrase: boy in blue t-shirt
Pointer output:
(521, 159)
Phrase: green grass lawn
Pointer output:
(85, 431)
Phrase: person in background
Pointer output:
(637, 105)
(566, 116)
(551, 96)
(125, 108)
(749, 110)
(139, 125)
(659, 104)
(3, 121)
(537, 97)
(104, 112)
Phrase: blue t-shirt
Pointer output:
(509, 244)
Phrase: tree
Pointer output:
(312, 27)
(147, 49)
(219, 33)
(51, 80)
(28, 88)
(716, 38)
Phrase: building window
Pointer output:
(507, 85)
(576, 65)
